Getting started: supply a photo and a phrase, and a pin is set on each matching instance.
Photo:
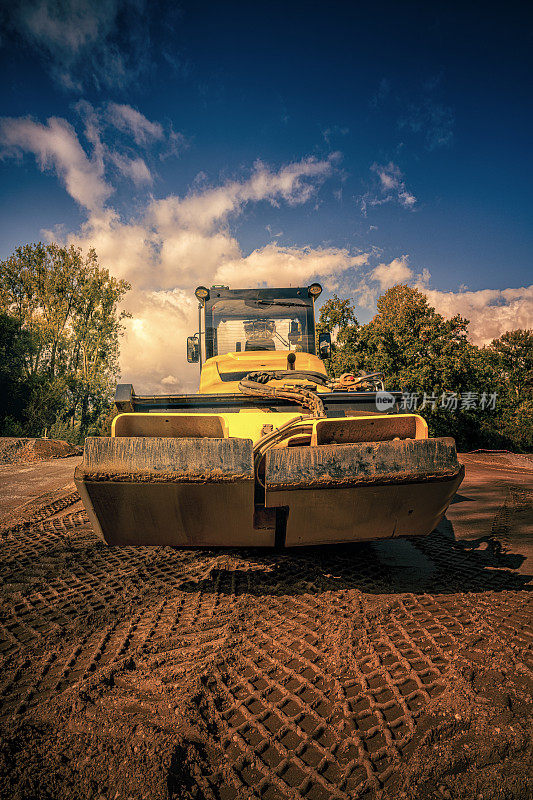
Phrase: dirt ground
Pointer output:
(396, 669)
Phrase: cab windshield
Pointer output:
(241, 325)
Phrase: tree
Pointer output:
(423, 354)
(511, 358)
(14, 345)
(337, 317)
(66, 307)
(415, 347)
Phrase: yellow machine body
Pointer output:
(211, 380)
(249, 473)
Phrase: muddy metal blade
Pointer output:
(337, 493)
(147, 490)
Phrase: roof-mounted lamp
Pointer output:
(202, 293)
(315, 290)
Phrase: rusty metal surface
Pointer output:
(166, 460)
(357, 513)
(180, 514)
(172, 426)
(380, 429)
(337, 466)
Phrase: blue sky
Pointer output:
(271, 143)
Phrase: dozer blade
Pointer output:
(349, 492)
(169, 491)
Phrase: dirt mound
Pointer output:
(16, 449)
(499, 459)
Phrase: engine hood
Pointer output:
(221, 374)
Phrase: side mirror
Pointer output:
(324, 345)
(193, 350)
(294, 334)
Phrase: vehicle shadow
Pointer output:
(438, 563)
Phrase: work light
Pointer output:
(202, 293)
(315, 290)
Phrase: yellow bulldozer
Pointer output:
(271, 452)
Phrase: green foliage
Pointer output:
(337, 317)
(422, 353)
(60, 324)
(416, 347)
(511, 357)
(14, 345)
(65, 431)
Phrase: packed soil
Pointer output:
(396, 669)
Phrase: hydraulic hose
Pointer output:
(279, 375)
(255, 385)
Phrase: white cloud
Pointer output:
(130, 121)
(389, 175)
(69, 27)
(178, 242)
(175, 243)
(383, 276)
(387, 275)
(273, 265)
(56, 146)
(170, 380)
(133, 168)
(153, 350)
(295, 183)
(491, 311)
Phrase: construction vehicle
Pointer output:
(271, 452)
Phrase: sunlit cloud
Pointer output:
(490, 312)
(176, 242)
(56, 147)
(131, 121)
(133, 168)
(84, 168)
(273, 265)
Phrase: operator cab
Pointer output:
(244, 320)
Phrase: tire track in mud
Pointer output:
(294, 724)
(314, 678)
(107, 604)
(32, 514)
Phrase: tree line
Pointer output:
(482, 396)
(60, 328)
(59, 342)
